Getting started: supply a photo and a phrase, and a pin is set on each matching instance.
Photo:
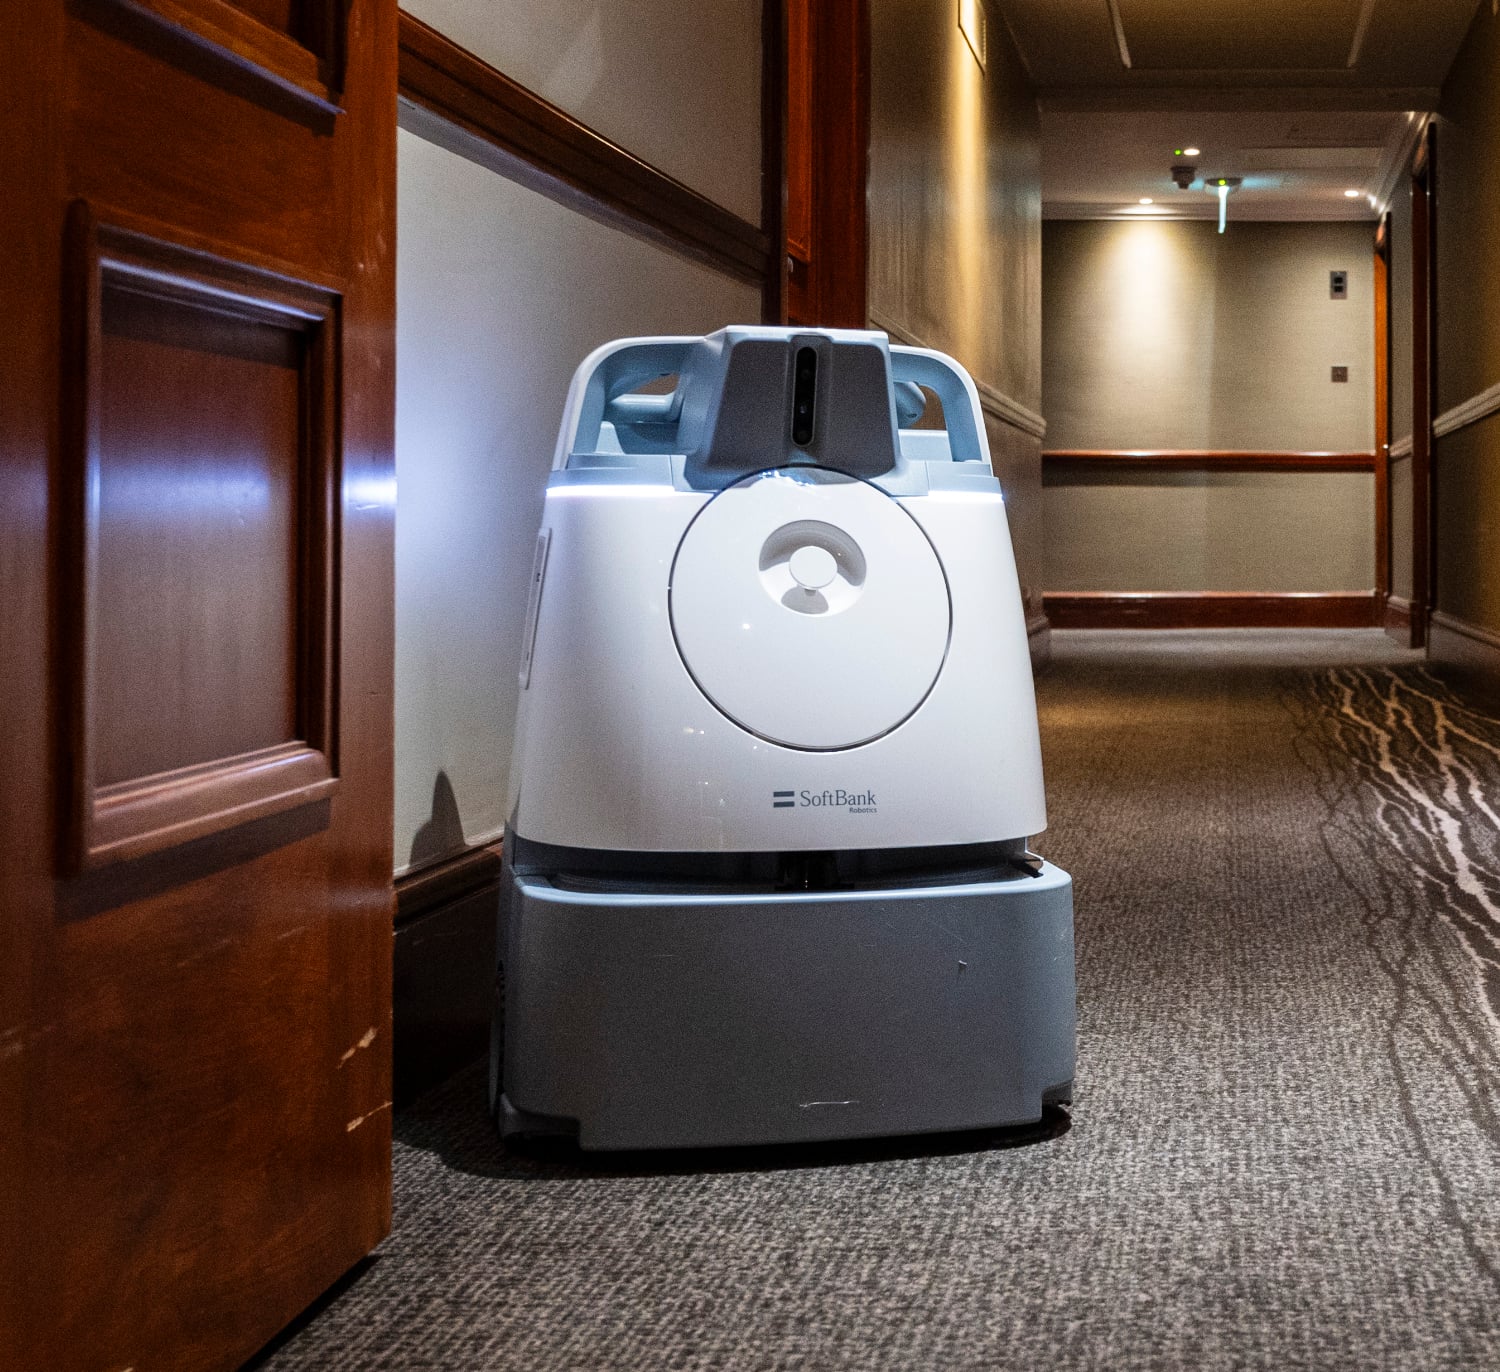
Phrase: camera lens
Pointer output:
(804, 396)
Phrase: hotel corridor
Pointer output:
(1285, 1138)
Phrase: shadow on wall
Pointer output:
(442, 832)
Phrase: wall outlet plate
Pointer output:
(1338, 285)
(1340, 374)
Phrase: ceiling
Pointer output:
(1294, 166)
(1303, 99)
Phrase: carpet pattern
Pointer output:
(1283, 1151)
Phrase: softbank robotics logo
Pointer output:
(855, 802)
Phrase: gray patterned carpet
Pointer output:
(1284, 1151)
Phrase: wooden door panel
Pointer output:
(196, 557)
(198, 156)
(288, 48)
(200, 642)
(196, 531)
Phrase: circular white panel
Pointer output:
(810, 608)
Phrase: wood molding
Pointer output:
(826, 244)
(1214, 459)
(1396, 617)
(1382, 292)
(1008, 410)
(108, 819)
(773, 151)
(444, 968)
(1401, 449)
(217, 39)
(1455, 642)
(992, 400)
(1423, 383)
(1212, 610)
(1471, 411)
(451, 97)
(444, 882)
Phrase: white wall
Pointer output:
(677, 85)
(500, 293)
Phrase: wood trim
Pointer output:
(217, 39)
(444, 968)
(444, 882)
(773, 123)
(1396, 617)
(1382, 407)
(1212, 610)
(1214, 459)
(128, 819)
(1421, 388)
(827, 286)
(1470, 411)
(481, 113)
(1455, 642)
(1008, 410)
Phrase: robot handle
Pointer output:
(941, 374)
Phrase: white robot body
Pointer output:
(776, 763)
(649, 760)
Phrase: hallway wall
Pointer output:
(1170, 336)
(677, 85)
(955, 231)
(490, 325)
(1466, 454)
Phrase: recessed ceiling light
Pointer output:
(1352, 195)
(1190, 152)
(1146, 200)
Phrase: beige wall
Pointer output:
(1173, 336)
(1209, 531)
(1467, 462)
(500, 293)
(677, 85)
(955, 225)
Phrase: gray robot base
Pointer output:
(645, 1019)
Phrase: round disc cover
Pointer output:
(810, 608)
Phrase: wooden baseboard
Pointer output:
(1396, 618)
(1039, 640)
(1455, 643)
(1212, 610)
(444, 967)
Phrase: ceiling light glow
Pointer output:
(1189, 152)
(1146, 200)
(1352, 195)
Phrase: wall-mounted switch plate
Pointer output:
(1338, 285)
(1340, 374)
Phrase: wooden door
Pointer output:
(824, 224)
(196, 507)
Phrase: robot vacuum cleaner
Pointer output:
(767, 876)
